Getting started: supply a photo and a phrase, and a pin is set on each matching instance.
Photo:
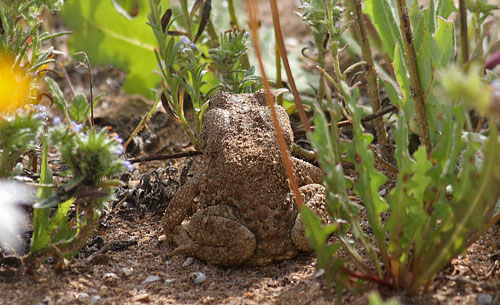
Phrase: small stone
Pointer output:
(143, 298)
(382, 192)
(198, 277)
(168, 281)
(188, 262)
(127, 271)
(162, 238)
(485, 299)
(319, 273)
(94, 299)
(150, 279)
(111, 275)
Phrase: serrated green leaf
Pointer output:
(77, 110)
(109, 38)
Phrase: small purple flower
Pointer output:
(76, 127)
(128, 165)
(119, 150)
(19, 110)
(188, 42)
(40, 108)
(56, 120)
(41, 116)
(117, 138)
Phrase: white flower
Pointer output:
(12, 219)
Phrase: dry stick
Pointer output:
(286, 64)
(372, 78)
(91, 120)
(367, 118)
(464, 37)
(165, 156)
(416, 86)
(252, 7)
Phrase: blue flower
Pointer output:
(76, 127)
(119, 150)
(56, 120)
(117, 138)
(188, 42)
(128, 165)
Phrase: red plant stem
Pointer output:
(286, 64)
(252, 7)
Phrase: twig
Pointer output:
(416, 86)
(367, 118)
(464, 37)
(372, 78)
(165, 156)
(286, 64)
(252, 7)
(91, 85)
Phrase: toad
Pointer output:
(245, 212)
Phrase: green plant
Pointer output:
(92, 157)
(182, 67)
(443, 198)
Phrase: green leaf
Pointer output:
(41, 236)
(424, 61)
(77, 110)
(56, 93)
(383, 17)
(445, 8)
(109, 38)
(445, 42)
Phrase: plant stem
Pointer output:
(416, 86)
(291, 81)
(252, 7)
(464, 37)
(279, 81)
(372, 79)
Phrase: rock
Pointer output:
(127, 271)
(188, 262)
(94, 299)
(150, 279)
(198, 277)
(485, 299)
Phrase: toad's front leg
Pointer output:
(180, 205)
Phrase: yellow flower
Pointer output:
(15, 85)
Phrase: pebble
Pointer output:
(127, 271)
(168, 281)
(198, 277)
(319, 273)
(94, 299)
(111, 275)
(485, 299)
(162, 238)
(150, 279)
(188, 262)
(143, 298)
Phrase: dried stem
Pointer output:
(252, 7)
(286, 64)
(165, 156)
(372, 78)
(416, 86)
(91, 120)
(464, 37)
